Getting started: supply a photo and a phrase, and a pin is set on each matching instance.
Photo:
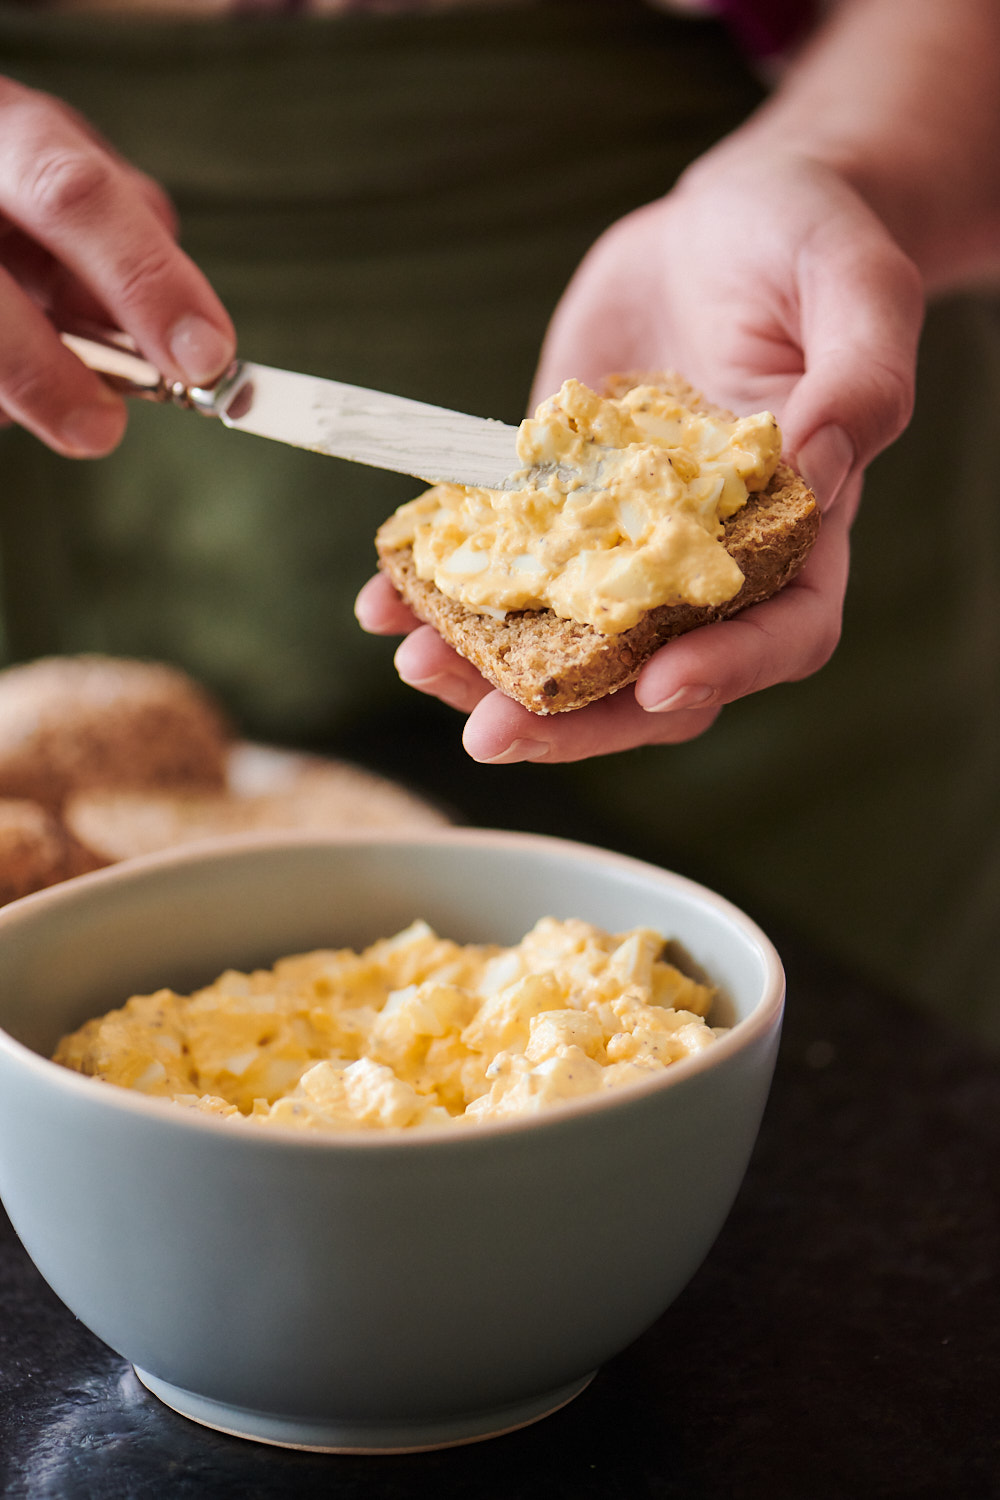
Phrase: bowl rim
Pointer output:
(765, 1016)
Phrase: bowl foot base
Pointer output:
(327, 1435)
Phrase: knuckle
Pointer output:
(143, 272)
(828, 642)
(896, 396)
(752, 681)
(758, 648)
(67, 183)
(897, 377)
(821, 648)
(909, 282)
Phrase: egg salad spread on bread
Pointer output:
(624, 511)
(415, 1030)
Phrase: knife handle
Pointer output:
(115, 357)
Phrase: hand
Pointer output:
(767, 281)
(85, 235)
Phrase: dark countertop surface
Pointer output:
(842, 1338)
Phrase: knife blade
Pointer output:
(325, 416)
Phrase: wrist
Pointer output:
(938, 208)
(900, 100)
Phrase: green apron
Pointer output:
(398, 201)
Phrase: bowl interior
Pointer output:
(179, 919)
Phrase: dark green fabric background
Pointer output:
(398, 201)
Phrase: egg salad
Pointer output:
(624, 511)
(416, 1030)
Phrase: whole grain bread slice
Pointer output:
(552, 665)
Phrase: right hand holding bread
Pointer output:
(767, 281)
(646, 513)
(85, 235)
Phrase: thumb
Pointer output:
(861, 309)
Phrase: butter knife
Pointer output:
(326, 416)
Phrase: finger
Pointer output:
(381, 611)
(65, 300)
(425, 662)
(157, 198)
(47, 389)
(786, 638)
(78, 201)
(501, 732)
(679, 692)
(861, 309)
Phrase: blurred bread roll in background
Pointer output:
(267, 789)
(67, 723)
(104, 758)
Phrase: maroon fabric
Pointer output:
(764, 28)
(768, 27)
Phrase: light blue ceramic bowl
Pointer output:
(371, 1292)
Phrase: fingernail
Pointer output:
(824, 461)
(693, 695)
(200, 350)
(92, 428)
(519, 750)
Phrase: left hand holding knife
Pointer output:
(84, 234)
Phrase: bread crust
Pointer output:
(552, 665)
(104, 758)
(71, 722)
